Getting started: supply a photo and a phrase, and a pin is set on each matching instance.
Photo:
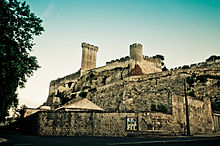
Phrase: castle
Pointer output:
(135, 64)
(130, 96)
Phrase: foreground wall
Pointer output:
(102, 124)
(67, 123)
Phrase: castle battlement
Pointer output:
(89, 46)
(135, 46)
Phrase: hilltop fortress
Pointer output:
(131, 96)
(135, 64)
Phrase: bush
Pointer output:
(164, 68)
(192, 93)
(162, 108)
(85, 87)
(218, 83)
(92, 90)
(185, 67)
(69, 84)
(153, 107)
(190, 80)
(213, 58)
(202, 79)
(160, 57)
(104, 79)
(73, 96)
(83, 94)
(215, 106)
(159, 108)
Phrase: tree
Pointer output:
(160, 56)
(213, 58)
(18, 26)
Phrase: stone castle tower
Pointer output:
(88, 56)
(136, 52)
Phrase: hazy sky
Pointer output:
(184, 31)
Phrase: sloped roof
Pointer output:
(83, 104)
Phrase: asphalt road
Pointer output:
(27, 140)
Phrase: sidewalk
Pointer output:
(215, 134)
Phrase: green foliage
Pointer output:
(22, 111)
(164, 68)
(92, 90)
(162, 108)
(104, 79)
(85, 87)
(192, 93)
(73, 96)
(63, 98)
(160, 57)
(202, 79)
(83, 94)
(91, 75)
(69, 84)
(185, 67)
(153, 107)
(190, 80)
(18, 26)
(159, 108)
(215, 106)
(218, 83)
(213, 58)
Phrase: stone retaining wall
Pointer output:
(112, 124)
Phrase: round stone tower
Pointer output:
(136, 52)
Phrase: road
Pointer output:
(27, 140)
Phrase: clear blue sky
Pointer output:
(184, 31)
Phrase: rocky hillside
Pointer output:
(116, 90)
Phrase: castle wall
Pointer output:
(133, 97)
(62, 84)
(200, 116)
(114, 124)
(63, 123)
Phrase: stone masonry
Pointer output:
(88, 57)
(133, 86)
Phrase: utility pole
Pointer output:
(187, 111)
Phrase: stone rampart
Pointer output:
(114, 124)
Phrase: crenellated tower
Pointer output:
(136, 52)
(88, 56)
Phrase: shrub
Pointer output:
(160, 56)
(190, 80)
(192, 93)
(153, 107)
(164, 68)
(202, 79)
(218, 83)
(85, 87)
(83, 94)
(73, 96)
(92, 90)
(215, 106)
(162, 108)
(185, 67)
(159, 108)
(104, 79)
(69, 84)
